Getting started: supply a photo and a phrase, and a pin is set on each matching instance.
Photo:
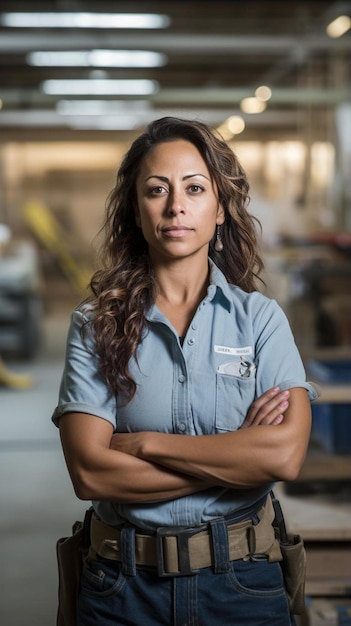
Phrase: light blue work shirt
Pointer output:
(237, 346)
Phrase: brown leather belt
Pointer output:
(162, 550)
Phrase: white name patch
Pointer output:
(234, 351)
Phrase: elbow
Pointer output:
(91, 485)
(82, 493)
(287, 465)
(83, 485)
(290, 473)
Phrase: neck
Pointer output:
(181, 287)
(182, 282)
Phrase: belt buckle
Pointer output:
(182, 534)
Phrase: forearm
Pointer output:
(240, 459)
(100, 473)
(123, 478)
(245, 458)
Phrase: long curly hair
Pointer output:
(124, 287)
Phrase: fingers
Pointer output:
(268, 409)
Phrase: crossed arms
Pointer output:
(152, 466)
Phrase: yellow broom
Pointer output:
(14, 380)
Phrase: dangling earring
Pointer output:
(218, 244)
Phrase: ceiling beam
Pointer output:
(21, 43)
(198, 96)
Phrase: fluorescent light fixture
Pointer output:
(121, 122)
(138, 87)
(97, 58)
(252, 105)
(102, 107)
(85, 20)
(39, 118)
(339, 26)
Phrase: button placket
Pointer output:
(182, 409)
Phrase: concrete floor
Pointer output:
(38, 504)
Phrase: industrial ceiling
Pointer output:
(213, 55)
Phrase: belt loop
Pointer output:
(251, 540)
(128, 551)
(219, 534)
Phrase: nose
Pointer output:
(175, 203)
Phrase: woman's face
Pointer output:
(178, 206)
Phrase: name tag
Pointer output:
(234, 351)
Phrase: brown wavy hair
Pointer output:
(124, 287)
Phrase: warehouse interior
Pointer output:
(79, 80)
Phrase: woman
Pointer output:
(183, 397)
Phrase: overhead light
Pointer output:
(235, 124)
(48, 118)
(263, 93)
(85, 20)
(97, 58)
(138, 87)
(339, 26)
(102, 107)
(252, 105)
(224, 132)
(113, 122)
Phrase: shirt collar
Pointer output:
(219, 286)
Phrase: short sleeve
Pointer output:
(82, 387)
(277, 358)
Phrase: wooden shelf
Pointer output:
(324, 523)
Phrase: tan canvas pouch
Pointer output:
(294, 571)
(69, 562)
(294, 561)
(70, 552)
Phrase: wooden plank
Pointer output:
(334, 394)
(329, 560)
(316, 518)
(325, 588)
(323, 466)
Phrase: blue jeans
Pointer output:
(241, 592)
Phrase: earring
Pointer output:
(218, 244)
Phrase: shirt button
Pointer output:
(191, 341)
(181, 378)
(194, 326)
(182, 427)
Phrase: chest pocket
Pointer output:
(234, 396)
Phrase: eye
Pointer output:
(157, 191)
(195, 188)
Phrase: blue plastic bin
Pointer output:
(331, 423)
(338, 372)
(331, 427)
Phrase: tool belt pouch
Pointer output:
(70, 552)
(294, 561)
(294, 572)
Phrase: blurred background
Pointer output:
(79, 80)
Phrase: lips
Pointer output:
(176, 231)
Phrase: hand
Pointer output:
(268, 409)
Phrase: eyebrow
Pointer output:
(166, 180)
